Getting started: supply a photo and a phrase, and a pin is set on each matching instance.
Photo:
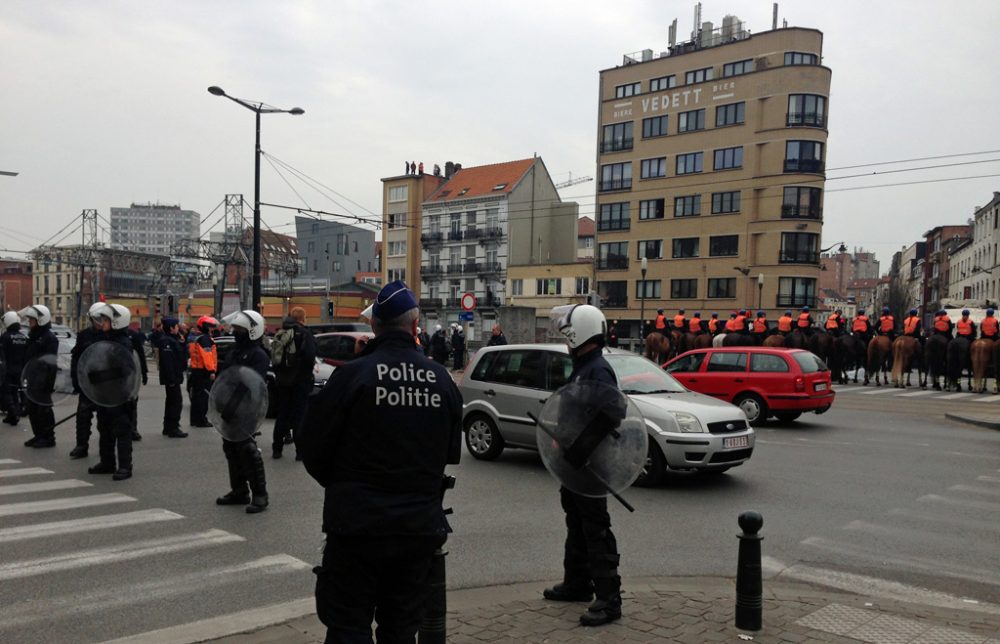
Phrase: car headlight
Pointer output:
(688, 422)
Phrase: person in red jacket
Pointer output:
(965, 327)
(695, 325)
(660, 326)
(715, 325)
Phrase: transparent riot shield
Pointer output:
(109, 373)
(237, 403)
(46, 379)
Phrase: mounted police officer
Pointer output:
(172, 361)
(114, 424)
(804, 323)
(378, 438)
(590, 562)
(14, 348)
(204, 365)
(886, 324)
(785, 323)
(861, 327)
(85, 408)
(41, 341)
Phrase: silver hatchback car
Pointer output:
(687, 430)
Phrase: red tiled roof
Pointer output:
(482, 180)
(584, 227)
(863, 283)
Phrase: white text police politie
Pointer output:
(402, 388)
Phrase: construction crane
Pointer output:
(572, 182)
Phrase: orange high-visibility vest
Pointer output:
(833, 322)
(760, 325)
(964, 327)
(713, 325)
(886, 323)
(680, 321)
(661, 321)
(860, 324)
(910, 325)
(942, 323)
(740, 324)
(785, 323)
(694, 326)
(202, 358)
(731, 325)
(989, 326)
(804, 321)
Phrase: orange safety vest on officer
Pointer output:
(713, 325)
(731, 325)
(694, 326)
(942, 323)
(680, 322)
(965, 328)
(785, 323)
(886, 323)
(202, 356)
(740, 323)
(760, 325)
(989, 327)
(911, 325)
(661, 321)
(805, 320)
(833, 322)
(861, 324)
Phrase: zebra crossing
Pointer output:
(912, 392)
(52, 525)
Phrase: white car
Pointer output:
(687, 431)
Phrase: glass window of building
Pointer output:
(722, 287)
(687, 206)
(686, 247)
(691, 121)
(654, 168)
(613, 216)
(690, 163)
(683, 289)
(651, 209)
(654, 126)
(732, 114)
(725, 202)
(728, 158)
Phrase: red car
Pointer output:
(762, 381)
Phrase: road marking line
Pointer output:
(24, 471)
(911, 394)
(34, 507)
(988, 479)
(73, 526)
(955, 396)
(989, 399)
(974, 490)
(951, 522)
(48, 486)
(108, 599)
(844, 390)
(976, 505)
(875, 392)
(8, 461)
(115, 554)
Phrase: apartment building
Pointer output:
(975, 267)
(152, 228)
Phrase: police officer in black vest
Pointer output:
(591, 556)
(14, 347)
(41, 341)
(85, 408)
(172, 361)
(378, 437)
(114, 424)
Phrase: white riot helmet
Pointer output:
(252, 321)
(579, 324)
(39, 312)
(95, 310)
(119, 315)
(10, 318)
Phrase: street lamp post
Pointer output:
(760, 289)
(642, 300)
(258, 109)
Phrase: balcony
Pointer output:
(431, 303)
(614, 184)
(612, 263)
(489, 268)
(471, 267)
(431, 273)
(805, 165)
(788, 301)
(809, 119)
(473, 233)
(454, 235)
(616, 145)
(801, 212)
(491, 235)
(798, 257)
(615, 302)
(606, 225)
(454, 269)
(430, 239)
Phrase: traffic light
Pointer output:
(329, 309)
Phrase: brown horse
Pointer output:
(700, 341)
(879, 351)
(776, 340)
(906, 354)
(677, 343)
(996, 367)
(657, 347)
(820, 343)
(982, 354)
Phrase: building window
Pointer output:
(654, 168)
(799, 58)
(796, 291)
(614, 294)
(686, 247)
(722, 287)
(617, 137)
(631, 89)
(517, 287)
(691, 121)
(732, 114)
(647, 289)
(687, 206)
(336, 267)
(654, 126)
(310, 247)
(397, 248)
(582, 285)
(799, 248)
(613, 216)
(698, 76)
(588, 242)
(616, 176)
(801, 202)
(662, 83)
(738, 68)
(729, 158)
(806, 109)
(689, 163)
(724, 246)
(725, 202)
(552, 286)
(397, 193)
(612, 256)
(803, 156)
(397, 274)
(397, 221)
(683, 289)
(651, 209)
(341, 244)
(650, 248)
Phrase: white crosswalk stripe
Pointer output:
(87, 524)
(955, 396)
(913, 394)
(24, 471)
(48, 486)
(8, 461)
(972, 489)
(875, 392)
(51, 505)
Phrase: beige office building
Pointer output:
(711, 166)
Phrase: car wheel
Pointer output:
(654, 469)
(482, 438)
(788, 416)
(753, 407)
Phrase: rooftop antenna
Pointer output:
(774, 17)
(697, 21)
(672, 31)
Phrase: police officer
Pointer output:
(804, 323)
(785, 323)
(760, 328)
(204, 364)
(590, 563)
(988, 327)
(740, 321)
(172, 361)
(660, 323)
(85, 408)
(439, 345)
(680, 322)
(834, 324)
(458, 347)
(696, 326)
(243, 456)
(379, 436)
(862, 327)
(965, 327)
(14, 347)
(715, 325)
(886, 324)
(942, 324)
(138, 342)
(41, 341)
(114, 424)
(912, 326)
(498, 339)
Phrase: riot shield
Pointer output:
(237, 403)
(46, 379)
(109, 373)
(592, 438)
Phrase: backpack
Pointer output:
(284, 353)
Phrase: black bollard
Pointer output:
(749, 588)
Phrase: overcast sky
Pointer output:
(105, 103)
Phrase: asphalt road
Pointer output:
(881, 486)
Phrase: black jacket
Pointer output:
(305, 350)
(41, 341)
(249, 354)
(14, 346)
(593, 366)
(378, 437)
(497, 340)
(439, 346)
(84, 339)
(138, 342)
(173, 360)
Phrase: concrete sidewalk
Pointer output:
(692, 610)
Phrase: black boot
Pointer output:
(253, 468)
(602, 612)
(234, 497)
(122, 473)
(566, 592)
(136, 436)
(80, 451)
(238, 494)
(174, 433)
(102, 468)
(257, 504)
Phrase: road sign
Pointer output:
(465, 316)
(468, 302)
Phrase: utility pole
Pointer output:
(89, 241)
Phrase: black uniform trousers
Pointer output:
(366, 577)
(85, 410)
(172, 408)
(42, 421)
(292, 401)
(201, 383)
(591, 553)
(10, 395)
(114, 430)
(245, 467)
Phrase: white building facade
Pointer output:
(975, 267)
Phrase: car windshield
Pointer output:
(637, 375)
(809, 362)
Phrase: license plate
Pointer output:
(821, 386)
(736, 441)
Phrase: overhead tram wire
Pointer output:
(292, 169)
(912, 183)
(75, 219)
(290, 186)
(310, 183)
(940, 156)
(356, 218)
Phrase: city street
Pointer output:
(880, 489)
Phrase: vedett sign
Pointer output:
(673, 100)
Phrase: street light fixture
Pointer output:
(760, 289)
(257, 108)
(842, 249)
(642, 300)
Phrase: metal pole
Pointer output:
(255, 295)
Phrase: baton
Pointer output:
(60, 422)
(604, 484)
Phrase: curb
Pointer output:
(978, 421)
